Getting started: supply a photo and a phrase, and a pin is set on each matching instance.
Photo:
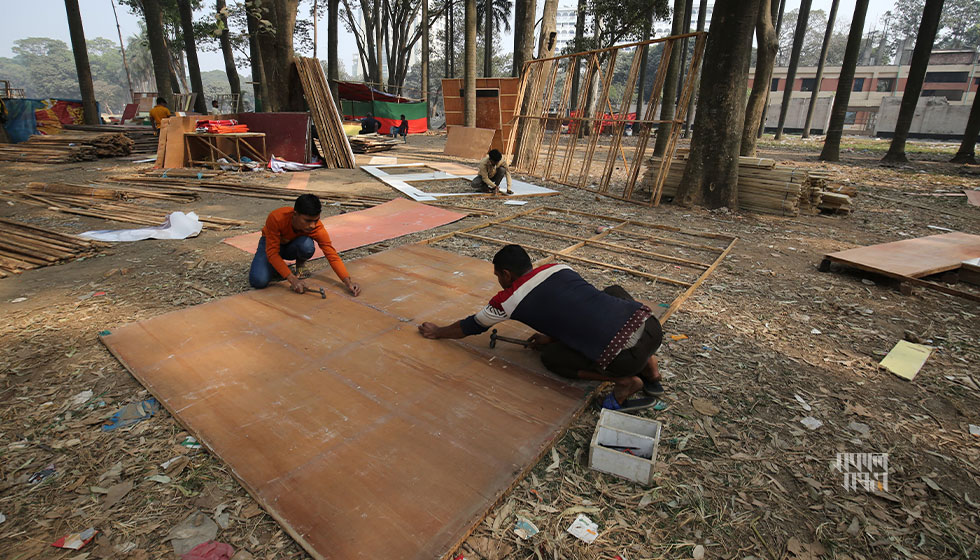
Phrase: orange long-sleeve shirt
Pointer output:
(279, 230)
(158, 113)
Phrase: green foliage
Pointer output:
(959, 26)
(619, 21)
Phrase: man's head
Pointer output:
(307, 213)
(214, 103)
(161, 101)
(509, 264)
(403, 117)
(370, 115)
(495, 155)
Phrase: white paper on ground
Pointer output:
(584, 528)
(516, 202)
(177, 226)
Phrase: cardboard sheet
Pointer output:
(906, 359)
(392, 219)
(360, 437)
(913, 257)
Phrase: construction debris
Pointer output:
(34, 153)
(106, 144)
(371, 143)
(334, 147)
(109, 193)
(143, 137)
(25, 247)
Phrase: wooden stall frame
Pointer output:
(541, 87)
(238, 139)
(597, 240)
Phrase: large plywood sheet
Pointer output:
(914, 258)
(363, 439)
(287, 135)
(466, 142)
(402, 182)
(392, 219)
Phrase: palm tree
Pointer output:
(765, 59)
(670, 81)
(831, 144)
(499, 17)
(913, 84)
(187, 26)
(158, 48)
(234, 82)
(794, 61)
(78, 47)
(823, 59)
(469, 63)
(967, 151)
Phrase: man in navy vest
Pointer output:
(583, 333)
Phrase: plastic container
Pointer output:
(623, 430)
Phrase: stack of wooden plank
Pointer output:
(370, 143)
(34, 153)
(767, 188)
(143, 137)
(335, 148)
(106, 144)
(24, 247)
(109, 193)
(80, 205)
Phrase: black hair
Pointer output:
(370, 114)
(514, 259)
(403, 117)
(214, 101)
(161, 101)
(495, 155)
(307, 205)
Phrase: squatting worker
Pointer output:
(369, 124)
(583, 333)
(158, 113)
(492, 172)
(290, 233)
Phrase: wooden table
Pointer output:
(244, 143)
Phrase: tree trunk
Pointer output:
(487, 38)
(967, 151)
(913, 84)
(831, 144)
(158, 49)
(823, 59)
(333, 56)
(469, 69)
(187, 26)
(448, 43)
(670, 82)
(711, 175)
(794, 61)
(702, 13)
(685, 28)
(779, 24)
(524, 17)
(90, 110)
(451, 46)
(259, 86)
(765, 59)
(644, 54)
(579, 36)
(425, 61)
(234, 82)
(285, 92)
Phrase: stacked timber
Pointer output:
(25, 247)
(106, 144)
(34, 153)
(108, 193)
(143, 137)
(371, 143)
(334, 146)
(767, 188)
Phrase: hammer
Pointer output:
(323, 295)
(494, 337)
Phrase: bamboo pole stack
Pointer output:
(105, 144)
(143, 137)
(25, 247)
(109, 193)
(335, 148)
(33, 153)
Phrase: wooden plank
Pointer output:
(469, 143)
(321, 406)
(914, 258)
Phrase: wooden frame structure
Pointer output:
(668, 238)
(238, 140)
(496, 104)
(544, 109)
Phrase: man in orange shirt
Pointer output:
(290, 233)
(159, 113)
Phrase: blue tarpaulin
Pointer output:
(21, 123)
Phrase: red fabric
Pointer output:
(211, 550)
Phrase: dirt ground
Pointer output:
(770, 341)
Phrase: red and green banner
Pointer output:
(389, 114)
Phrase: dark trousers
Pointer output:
(478, 184)
(567, 362)
(262, 272)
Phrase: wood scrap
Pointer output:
(371, 143)
(335, 148)
(25, 247)
(109, 193)
(144, 138)
(33, 153)
(105, 144)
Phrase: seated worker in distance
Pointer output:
(290, 233)
(402, 129)
(492, 172)
(369, 124)
(583, 333)
(158, 113)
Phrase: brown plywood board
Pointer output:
(914, 258)
(973, 197)
(466, 142)
(360, 437)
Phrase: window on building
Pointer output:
(946, 77)
(949, 94)
(850, 117)
(807, 84)
(858, 84)
(775, 84)
(885, 84)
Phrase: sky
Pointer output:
(46, 18)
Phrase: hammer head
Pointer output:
(323, 295)
(493, 338)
